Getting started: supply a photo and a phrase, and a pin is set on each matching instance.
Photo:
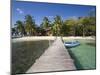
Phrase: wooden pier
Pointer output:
(55, 58)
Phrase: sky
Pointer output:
(39, 10)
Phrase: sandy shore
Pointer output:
(35, 38)
(73, 37)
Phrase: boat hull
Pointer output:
(71, 44)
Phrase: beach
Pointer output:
(35, 38)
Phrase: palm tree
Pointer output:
(46, 26)
(20, 27)
(45, 23)
(58, 25)
(30, 25)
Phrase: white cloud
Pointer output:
(50, 16)
(73, 17)
(20, 11)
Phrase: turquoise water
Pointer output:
(84, 54)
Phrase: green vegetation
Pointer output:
(84, 55)
(20, 27)
(57, 25)
(29, 25)
(79, 26)
(46, 23)
(24, 54)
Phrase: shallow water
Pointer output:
(84, 54)
(24, 54)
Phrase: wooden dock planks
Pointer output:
(55, 58)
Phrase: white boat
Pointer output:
(71, 44)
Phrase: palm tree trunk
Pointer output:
(83, 31)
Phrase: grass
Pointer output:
(84, 55)
(24, 54)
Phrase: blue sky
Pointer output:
(40, 10)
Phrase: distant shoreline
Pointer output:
(35, 38)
